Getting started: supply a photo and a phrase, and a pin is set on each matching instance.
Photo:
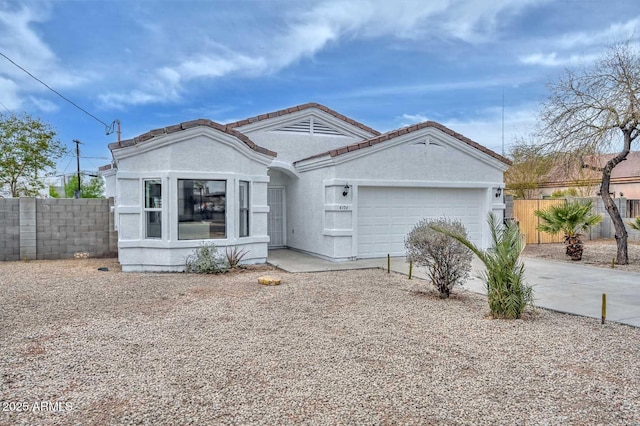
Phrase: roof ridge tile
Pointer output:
(303, 107)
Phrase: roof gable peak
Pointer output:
(301, 108)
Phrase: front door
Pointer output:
(276, 218)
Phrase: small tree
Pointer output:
(635, 224)
(89, 188)
(507, 292)
(529, 168)
(570, 218)
(27, 149)
(595, 110)
(448, 262)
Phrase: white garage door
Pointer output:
(387, 214)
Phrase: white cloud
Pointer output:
(443, 86)
(478, 21)
(486, 126)
(614, 33)
(43, 104)
(308, 30)
(9, 94)
(409, 119)
(553, 60)
(32, 54)
(588, 44)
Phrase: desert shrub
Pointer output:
(206, 260)
(507, 292)
(448, 261)
(234, 256)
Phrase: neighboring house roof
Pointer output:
(303, 107)
(626, 171)
(403, 131)
(188, 125)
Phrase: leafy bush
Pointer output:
(507, 292)
(207, 260)
(565, 193)
(448, 261)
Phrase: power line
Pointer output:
(5, 107)
(108, 128)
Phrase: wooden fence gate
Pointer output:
(523, 213)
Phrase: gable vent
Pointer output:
(310, 126)
(299, 127)
(322, 129)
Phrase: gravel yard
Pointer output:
(597, 253)
(350, 347)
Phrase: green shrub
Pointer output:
(206, 260)
(448, 261)
(507, 292)
(566, 193)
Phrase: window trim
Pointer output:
(146, 210)
(225, 181)
(244, 210)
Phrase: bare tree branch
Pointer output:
(596, 110)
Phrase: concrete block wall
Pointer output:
(9, 229)
(605, 229)
(57, 228)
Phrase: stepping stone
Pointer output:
(269, 280)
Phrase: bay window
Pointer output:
(202, 209)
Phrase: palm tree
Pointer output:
(570, 218)
(635, 224)
(507, 292)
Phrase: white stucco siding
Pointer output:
(294, 146)
(199, 154)
(420, 162)
(390, 188)
(202, 153)
(305, 214)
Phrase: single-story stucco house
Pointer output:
(306, 178)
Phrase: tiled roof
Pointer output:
(105, 167)
(406, 130)
(188, 125)
(302, 108)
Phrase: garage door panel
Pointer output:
(386, 215)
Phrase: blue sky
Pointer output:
(385, 63)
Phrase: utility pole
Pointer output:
(77, 142)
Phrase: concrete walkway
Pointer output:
(564, 287)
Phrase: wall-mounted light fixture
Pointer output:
(345, 190)
(498, 192)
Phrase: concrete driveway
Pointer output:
(563, 287)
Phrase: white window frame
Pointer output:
(156, 207)
(244, 210)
